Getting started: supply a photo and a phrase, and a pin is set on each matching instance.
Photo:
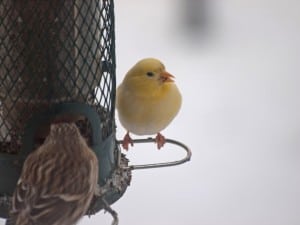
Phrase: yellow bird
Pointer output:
(147, 100)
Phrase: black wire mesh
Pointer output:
(54, 52)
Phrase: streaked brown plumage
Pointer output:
(58, 180)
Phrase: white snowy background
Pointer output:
(237, 65)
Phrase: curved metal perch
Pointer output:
(158, 165)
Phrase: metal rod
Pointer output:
(159, 165)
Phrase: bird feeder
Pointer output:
(57, 64)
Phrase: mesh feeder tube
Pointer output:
(57, 63)
(44, 56)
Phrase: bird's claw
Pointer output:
(113, 213)
(160, 140)
(126, 141)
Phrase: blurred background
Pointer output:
(237, 66)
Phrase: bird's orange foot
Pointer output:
(126, 141)
(160, 140)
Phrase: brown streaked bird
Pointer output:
(147, 100)
(58, 180)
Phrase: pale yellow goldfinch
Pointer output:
(147, 100)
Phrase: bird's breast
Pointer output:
(148, 114)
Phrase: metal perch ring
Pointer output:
(158, 165)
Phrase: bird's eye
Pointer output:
(150, 74)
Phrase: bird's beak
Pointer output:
(166, 77)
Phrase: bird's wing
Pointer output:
(38, 208)
(49, 202)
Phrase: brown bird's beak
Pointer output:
(166, 77)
